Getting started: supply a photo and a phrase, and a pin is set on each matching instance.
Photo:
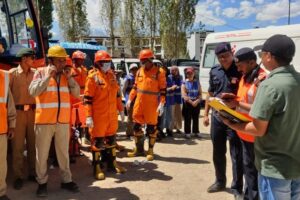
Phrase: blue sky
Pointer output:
(227, 15)
(220, 15)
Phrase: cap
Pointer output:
(25, 52)
(244, 54)
(189, 69)
(132, 66)
(222, 48)
(280, 45)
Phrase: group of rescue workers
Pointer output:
(36, 107)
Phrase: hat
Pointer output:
(132, 66)
(244, 54)
(25, 52)
(189, 69)
(280, 45)
(222, 48)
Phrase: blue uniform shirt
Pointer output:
(170, 94)
(192, 89)
(177, 92)
(130, 78)
(221, 80)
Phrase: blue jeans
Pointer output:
(278, 189)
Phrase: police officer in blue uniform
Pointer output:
(224, 78)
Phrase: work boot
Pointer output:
(18, 184)
(42, 190)
(216, 187)
(112, 164)
(150, 154)
(98, 173)
(71, 186)
(139, 149)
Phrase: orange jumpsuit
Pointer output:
(149, 86)
(101, 94)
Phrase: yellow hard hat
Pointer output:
(57, 51)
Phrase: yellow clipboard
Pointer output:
(227, 112)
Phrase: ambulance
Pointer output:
(252, 38)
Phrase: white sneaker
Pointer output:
(188, 136)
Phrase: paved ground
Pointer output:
(182, 169)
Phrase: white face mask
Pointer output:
(105, 67)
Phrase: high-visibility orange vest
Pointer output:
(246, 93)
(53, 105)
(4, 86)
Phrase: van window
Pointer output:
(210, 58)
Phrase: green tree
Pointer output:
(110, 15)
(44, 10)
(73, 20)
(176, 18)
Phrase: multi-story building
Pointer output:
(122, 49)
(195, 41)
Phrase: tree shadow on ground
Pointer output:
(181, 160)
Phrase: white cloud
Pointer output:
(259, 1)
(246, 9)
(277, 10)
(230, 12)
(207, 12)
(93, 10)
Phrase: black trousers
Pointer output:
(219, 135)
(250, 172)
(191, 113)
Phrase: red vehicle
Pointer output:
(19, 28)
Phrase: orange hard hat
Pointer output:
(146, 54)
(69, 61)
(102, 56)
(78, 55)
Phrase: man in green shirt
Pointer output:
(276, 122)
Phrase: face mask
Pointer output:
(105, 67)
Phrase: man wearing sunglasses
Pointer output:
(150, 93)
(20, 79)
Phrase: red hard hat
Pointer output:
(79, 55)
(146, 54)
(69, 61)
(102, 56)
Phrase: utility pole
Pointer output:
(289, 12)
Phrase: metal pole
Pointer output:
(289, 12)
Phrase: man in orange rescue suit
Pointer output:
(51, 86)
(7, 126)
(21, 77)
(79, 71)
(100, 99)
(245, 60)
(150, 92)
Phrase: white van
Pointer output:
(244, 38)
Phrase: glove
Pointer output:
(122, 116)
(160, 109)
(89, 122)
(128, 104)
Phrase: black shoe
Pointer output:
(71, 186)
(42, 190)
(18, 184)
(31, 178)
(169, 133)
(4, 197)
(216, 187)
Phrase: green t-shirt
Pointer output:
(277, 153)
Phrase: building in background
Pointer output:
(195, 41)
(121, 48)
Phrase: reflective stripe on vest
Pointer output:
(53, 105)
(3, 101)
(147, 92)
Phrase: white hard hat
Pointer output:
(133, 65)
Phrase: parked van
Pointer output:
(252, 38)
